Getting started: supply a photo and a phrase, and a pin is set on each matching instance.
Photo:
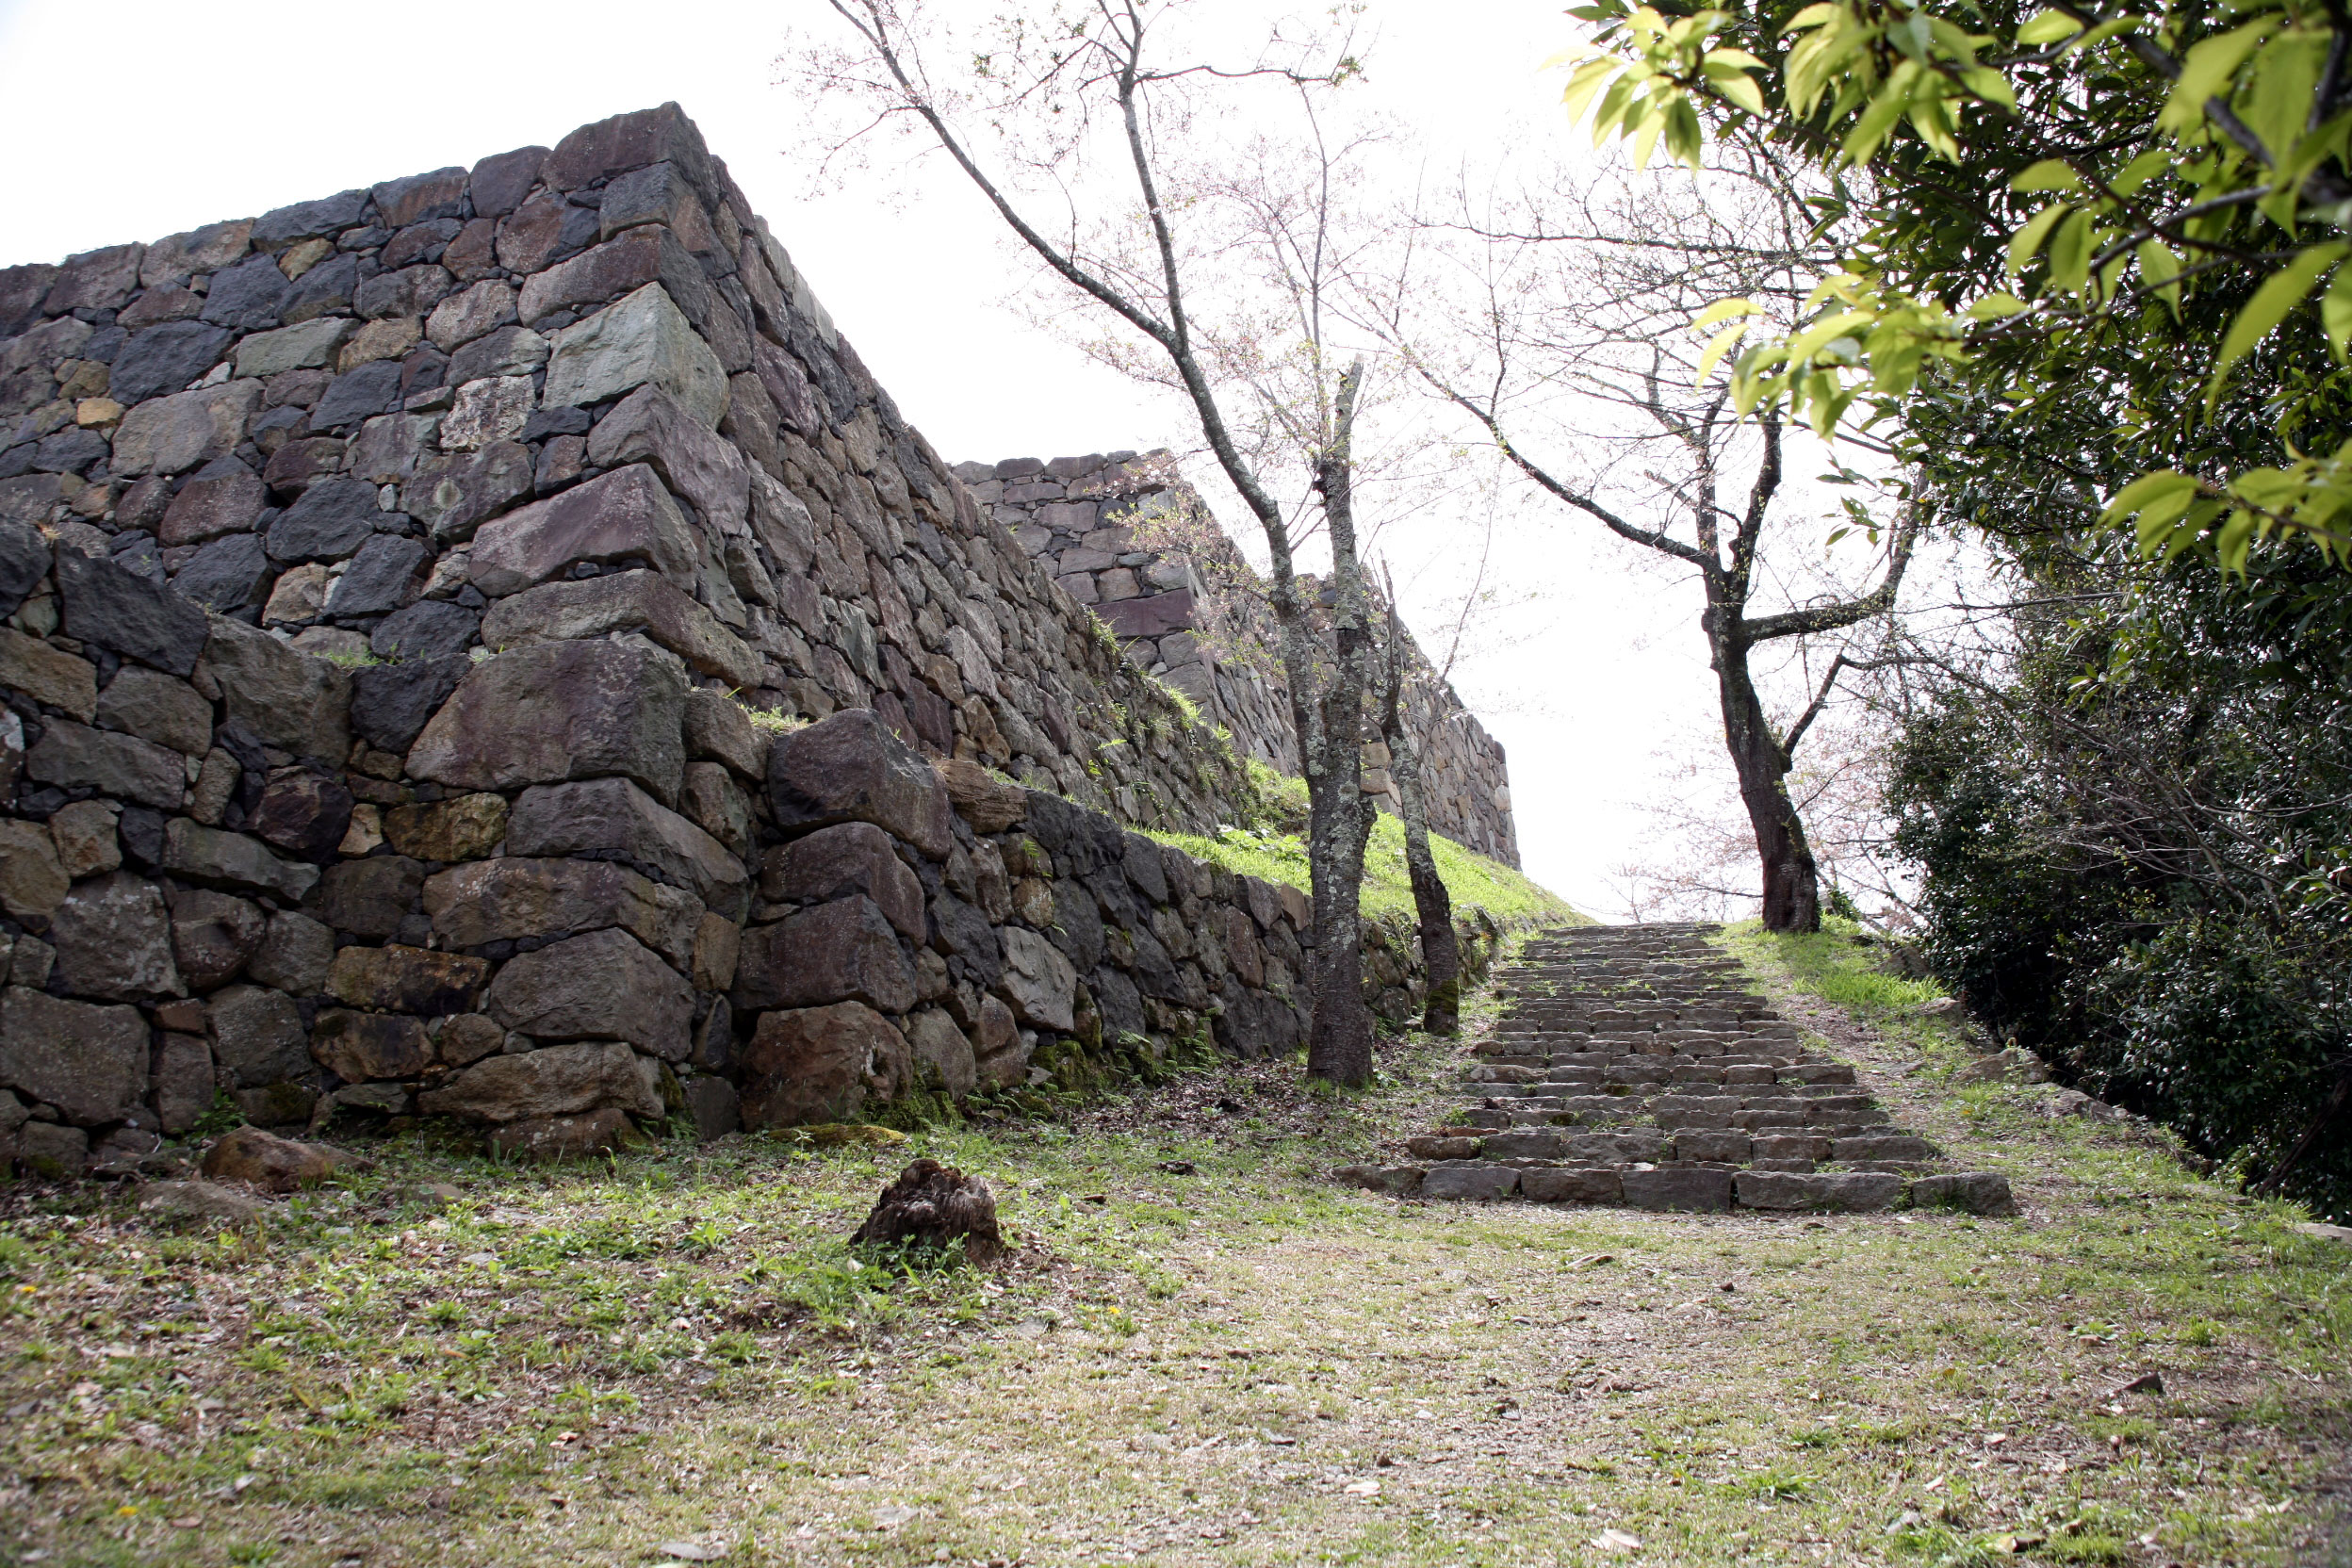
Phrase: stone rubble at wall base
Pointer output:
(388, 583)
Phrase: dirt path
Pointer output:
(1235, 1364)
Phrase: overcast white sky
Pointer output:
(179, 115)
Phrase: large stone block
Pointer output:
(1558, 1186)
(943, 1053)
(294, 954)
(1854, 1193)
(499, 183)
(303, 813)
(643, 339)
(165, 358)
(213, 936)
(1698, 1191)
(602, 986)
(622, 601)
(650, 426)
(618, 267)
(391, 704)
(257, 1038)
(837, 862)
(96, 280)
(518, 896)
(823, 1064)
(48, 675)
(382, 578)
(73, 756)
(612, 817)
(624, 517)
(156, 707)
(370, 897)
(25, 556)
(1883, 1146)
(657, 193)
(117, 609)
(719, 727)
(331, 521)
(851, 768)
(560, 710)
(327, 215)
(990, 804)
(395, 979)
(113, 939)
(840, 951)
(451, 495)
(228, 501)
(1473, 1181)
(290, 699)
(419, 198)
(229, 575)
(462, 828)
(1038, 981)
(232, 860)
(563, 1080)
(462, 317)
(357, 1047)
(309, 345)
(175, 258)
(171, 435)
(429, 629)
(89, 1061)
(182, 1082)
(32, 877)
(633, 141)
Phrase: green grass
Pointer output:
(1231, 1362)
(1475, 881)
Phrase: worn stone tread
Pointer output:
(1632, 1066)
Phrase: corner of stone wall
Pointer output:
(482, 647)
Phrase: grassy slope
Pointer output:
(1474, 880)
(1242, 1365)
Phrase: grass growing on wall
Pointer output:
(1474, 880)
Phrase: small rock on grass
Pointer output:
(190, 1200)
(270, 1162)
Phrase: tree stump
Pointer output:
(931, 1206)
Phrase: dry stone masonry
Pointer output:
(1633, 1065)
(482, 646)
(1125, 535)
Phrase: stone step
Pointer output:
(1632, 1066)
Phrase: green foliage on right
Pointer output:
(2050, 202)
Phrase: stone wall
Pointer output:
(1127, 536)
(415, 602)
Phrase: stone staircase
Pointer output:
(1633, 1065)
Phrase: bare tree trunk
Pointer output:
(1441, 951)
(1793, 894)
(1433, 906)
(1339, 1047)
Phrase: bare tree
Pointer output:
(1433, 906)
(1213, 279)
(1574, 305)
